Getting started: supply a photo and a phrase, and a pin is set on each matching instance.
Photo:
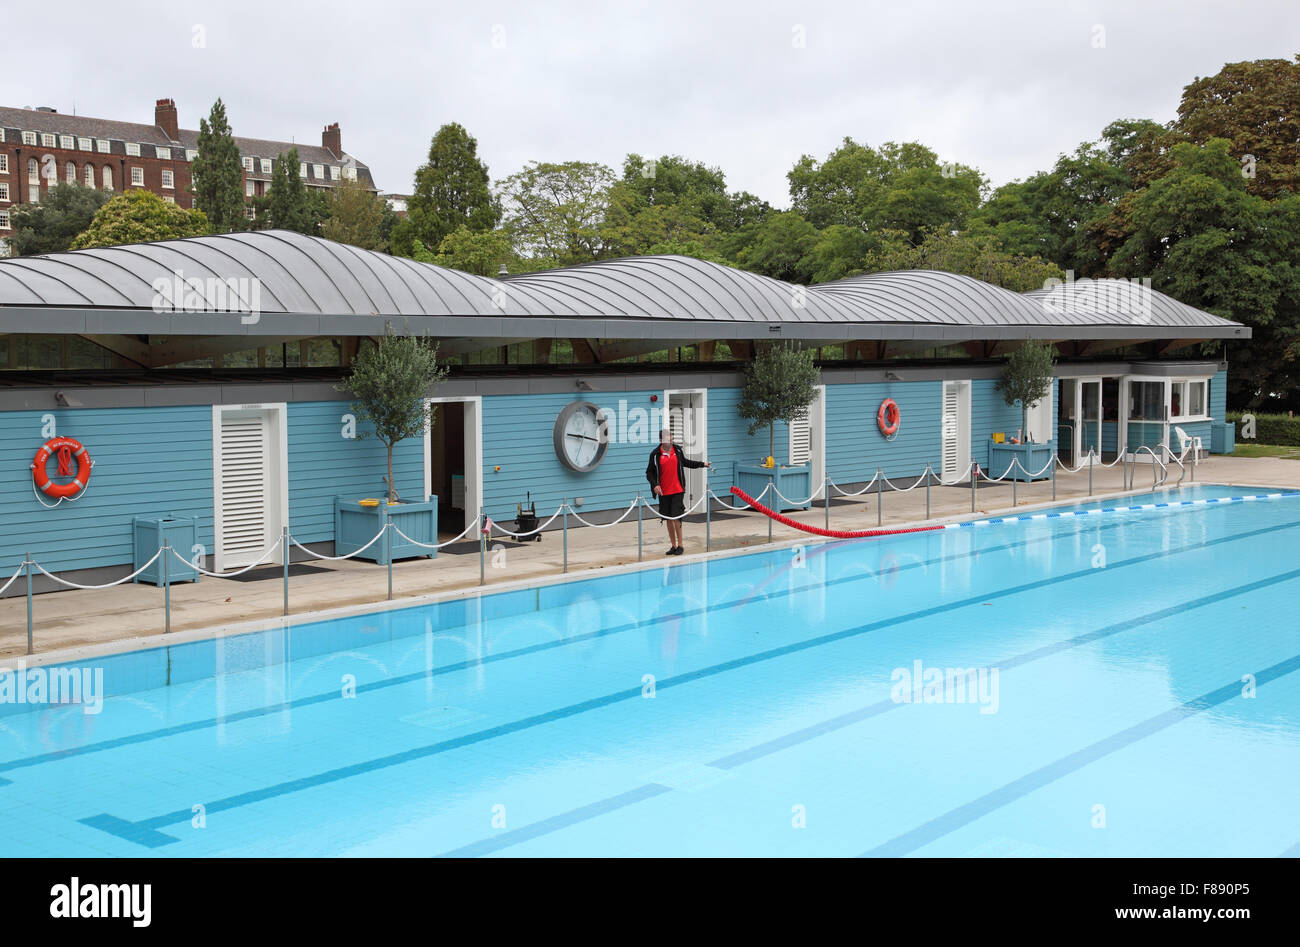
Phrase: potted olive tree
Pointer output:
(1026, 380)
(389, 383)
(780, 384)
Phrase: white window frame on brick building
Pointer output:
(4, 220)
(350, 173)
(334, 172)
(191, 154)
(137, 177)
(102, 146)
(70, 172)
(266, 165)
(169, 199)
(168, 179)
(88, 175)
(4, 190)
(4, 164)
(248, 188)
(247, 163)
(132, 149)
(65, 142)
(84, 144)
(163, 153)
(302, 170)
(29, 138)
(47, 140)
(318, 170)
(107, 178)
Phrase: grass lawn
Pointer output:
(1267, 450)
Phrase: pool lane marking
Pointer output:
(299, 702)
(1013, 791)
(145, 831)
(806, 734)
(1250, 498)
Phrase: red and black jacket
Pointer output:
(652, 469)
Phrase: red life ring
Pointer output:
(67, 450)
(888, 417)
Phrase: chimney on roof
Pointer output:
(165, 117)
(331, 139)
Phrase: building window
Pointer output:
(70, 173)
(108, 178)
(247, 163)
(190, 154)
(2, 134)
(319, 171)
(33, 171)
(4, 164)
(4, 191)
(168, 181)
(248, 212)
(84, 144)
(248, 188)
(169, 199)
(89, 176)
(65, 141)
(47, 140)
(164, 153)
(133, 149)
(29, 138)
(351, 174)
(334, 173)
(137, 177)
(101, 146)
(266, 165)
(4, 220)
(302, 170)
(1188, 400)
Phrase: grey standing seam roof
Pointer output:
(301, 276)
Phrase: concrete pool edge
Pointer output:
(81, 653)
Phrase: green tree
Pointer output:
(556, 212)
(356, 216)
(389, 383)
(289, 204)
(976, 255)
(780, 383)
(140, 217)
(473, 251)
(216, 174)
(452, 190)
(52, 225)
(1027, 378)
(897, 187)
(1254, 105)
(781, 248)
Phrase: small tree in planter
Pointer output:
(389, 382)
(780, 383)
(1027, 378)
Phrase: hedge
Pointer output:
(1278, 429)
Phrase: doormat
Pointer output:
(276, 572)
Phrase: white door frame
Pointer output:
(817, 435)
(279, 480)
(1125, 396)
(1077, 447)
(473, 453)
(701, 447)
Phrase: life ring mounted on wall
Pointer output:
(888, 418)
(68, 451)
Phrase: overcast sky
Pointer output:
(747, 86)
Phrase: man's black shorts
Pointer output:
(672, 504)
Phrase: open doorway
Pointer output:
(688, 420)
(453, 462)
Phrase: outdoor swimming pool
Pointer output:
(751, 705)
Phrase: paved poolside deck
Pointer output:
(131, 616)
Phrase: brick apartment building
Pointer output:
(40, 147)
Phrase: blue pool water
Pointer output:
(744, 706)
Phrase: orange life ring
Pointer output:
(67, 450)
(888, 417)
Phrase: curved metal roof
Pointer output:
(300, 277)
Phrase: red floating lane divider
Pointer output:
(832, 533)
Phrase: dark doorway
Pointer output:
(447, 465)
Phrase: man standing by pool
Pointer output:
(667, 475)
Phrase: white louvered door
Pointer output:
(800, 439)
(950, 431)
(244, 519)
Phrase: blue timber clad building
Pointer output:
(202, 377)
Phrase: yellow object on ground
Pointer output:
(999, 437)
(368, 502)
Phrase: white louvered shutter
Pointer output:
(244, 488)
(800, 439)
(950, 430)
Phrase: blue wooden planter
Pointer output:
(355, 525)
(795, 483)
(1033, 458)
(181, 533)
(1223, 437)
